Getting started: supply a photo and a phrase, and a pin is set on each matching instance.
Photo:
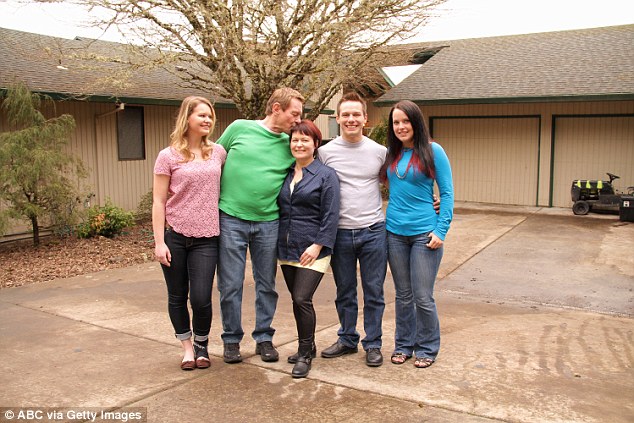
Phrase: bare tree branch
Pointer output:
(243, 49)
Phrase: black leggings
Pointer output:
(302, 284)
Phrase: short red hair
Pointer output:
(307, 127)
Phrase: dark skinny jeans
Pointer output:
(191, 274)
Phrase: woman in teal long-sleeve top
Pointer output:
(416, 233)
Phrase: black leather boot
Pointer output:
(302, 366)
(293, 358)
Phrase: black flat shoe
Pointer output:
(373, 357)
(302, 367)
(337, 350)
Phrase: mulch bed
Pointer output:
(23, 263)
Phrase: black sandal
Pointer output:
(423, 362)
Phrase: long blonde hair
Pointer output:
(179, 142)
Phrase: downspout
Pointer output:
(120, 107)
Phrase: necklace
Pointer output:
(398, 175)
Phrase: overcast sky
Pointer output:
(455, 19)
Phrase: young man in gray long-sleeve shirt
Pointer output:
(361, 234)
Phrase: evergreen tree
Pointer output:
(35, 171)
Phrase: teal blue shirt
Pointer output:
(410, 210)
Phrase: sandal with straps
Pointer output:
(423, 362)
(399, 358)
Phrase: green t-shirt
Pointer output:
(257, 163)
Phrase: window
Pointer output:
(131, 133)
(333, 127)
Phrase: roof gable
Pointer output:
(597, 63)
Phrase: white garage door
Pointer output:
(587, 147)
(494, 160)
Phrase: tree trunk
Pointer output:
(36, 230)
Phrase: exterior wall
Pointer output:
(94, 141)
(505, 153)
(551, 173)
(376, 115)
(325, 122)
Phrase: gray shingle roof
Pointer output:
(34, 59)
(595, 63)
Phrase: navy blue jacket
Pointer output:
(311, 214)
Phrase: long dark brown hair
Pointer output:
(423, 158)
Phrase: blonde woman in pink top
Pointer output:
(185, 223)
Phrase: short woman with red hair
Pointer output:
(309, 215)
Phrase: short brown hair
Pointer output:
(352, 96)
(283, 96)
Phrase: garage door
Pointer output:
(494, 160)
(587, 147)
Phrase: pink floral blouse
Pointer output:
(194, 189)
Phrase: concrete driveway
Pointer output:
(536, 310)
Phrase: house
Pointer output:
(522, 116)
(121, 124)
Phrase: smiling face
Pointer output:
(302, 147)
(403, 128)
(351, 119)
(199, 122)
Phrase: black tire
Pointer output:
(581, 208)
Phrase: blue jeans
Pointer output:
(191, 273)
(368, 246)
(236, 235)
(414, 268)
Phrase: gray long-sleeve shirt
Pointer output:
(357, 165)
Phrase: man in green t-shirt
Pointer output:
(258, 159)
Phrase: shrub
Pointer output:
(385, 193)
(379, 132)
(108, 220)
(64, 221)
(144, 209)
